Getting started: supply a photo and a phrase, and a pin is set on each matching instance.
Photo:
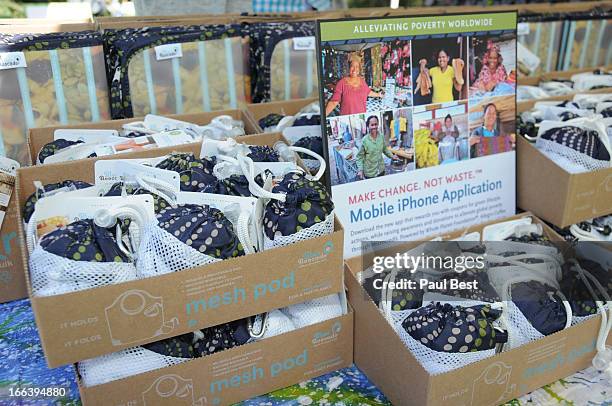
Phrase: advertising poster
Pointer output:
(418, 123)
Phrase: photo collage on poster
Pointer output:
(400, 105)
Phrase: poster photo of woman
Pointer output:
(439, 70)
(369, 77)
(492, 66)
(492, 126)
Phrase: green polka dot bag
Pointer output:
(79, 256)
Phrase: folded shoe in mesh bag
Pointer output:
(196, 173)
(314, 311)
(300, 209)
(164, 353)
(79, 256)
(587, 286)
(185, 237)
(527, 276)
(400, 299)
(67, 185)
(575, 144)
(270, 324)
(262, 153)
(232, 181)
(122, 188)
(53, 147)
(314, 144)
(444, 337)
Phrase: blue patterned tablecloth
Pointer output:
(23, 365)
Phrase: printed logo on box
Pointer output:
(168, 51)
(317, 256)
(327, 335)
(12, 60)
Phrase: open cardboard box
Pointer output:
(239, 373)
(88, 323)
(557, 196)
(384, 358)
(566, 74)
(12, 281)
(285, 107)
(38, 137)
(528, 104)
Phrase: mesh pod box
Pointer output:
(555, 195)
(175, 69)
(38, 137)
(89, 323)
(238, 373)
(49, 78)
(491, 381)
(12, 280)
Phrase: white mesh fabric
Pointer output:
(317, 230)
(311, 164)
(520, 330)
(121, 364)
(278, 323)
(436, 362)
(560, 154)
(51, 274)
(314, 311)
(161, 253)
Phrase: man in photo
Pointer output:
(370, 158)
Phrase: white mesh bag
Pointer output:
(160, 253)
(122, 364)
(325, 227)
(52, 274)
(567, 157)
(320, 228)
(435, 362)
(314, 311)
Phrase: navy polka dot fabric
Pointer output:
(541, 305)
(196, 173)
(54, 147)
(314, 144)
(205, 342)
(262, 153)
(271, 120)
(307, 203)
(30, 203)
(456, 329)
(583, 141)
(402, 299)
(203, 228)
(83, 240)
(118, 188)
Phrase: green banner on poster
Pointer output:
(430, 25)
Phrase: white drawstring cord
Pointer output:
(603, 359)
(322, 166)
(248, 168)
(153, 185)
(583, 235)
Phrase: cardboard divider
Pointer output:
(38, 137)
(285, 107)
(12, 281)
(87, 323)
(565, 74)
(529, 104)
(491, 381)
(239, 373)
(557, 196)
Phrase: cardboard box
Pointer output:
(567, 74)
(238, 373)
(286, 108)
(38, 137)
(383, 357)
(557, 196)
(86, 324)
(12, 281)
